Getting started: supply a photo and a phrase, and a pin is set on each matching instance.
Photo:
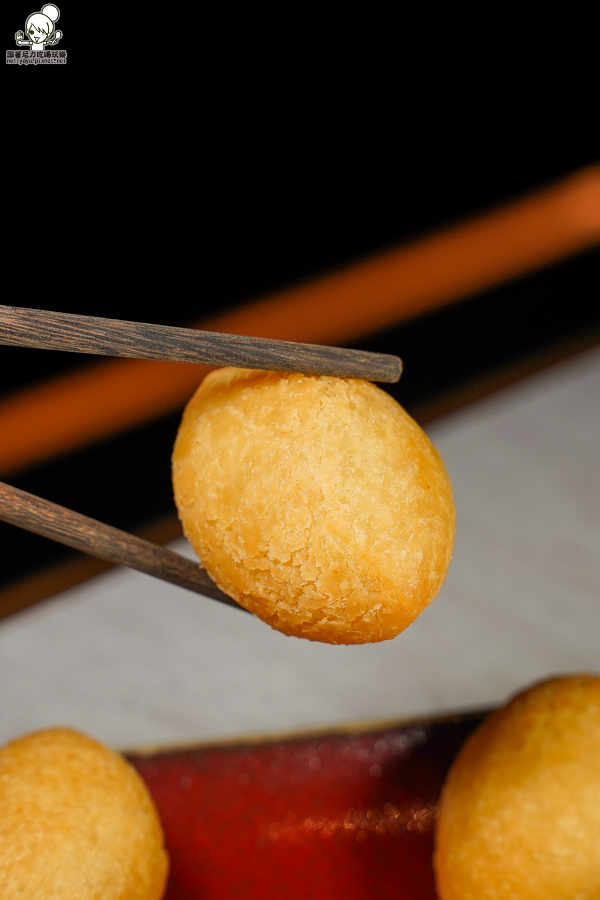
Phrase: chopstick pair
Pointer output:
(43, 329)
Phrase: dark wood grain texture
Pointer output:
(112, 337)
(105, 542)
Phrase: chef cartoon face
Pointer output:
(39, 28)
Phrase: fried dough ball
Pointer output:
(76, 823)
(315, 502)
(520, 810)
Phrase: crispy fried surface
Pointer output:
(76, 823)
(316, 502)
(520, 811)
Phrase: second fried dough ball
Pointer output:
(76, 823)
(520, 810)
(315, 502)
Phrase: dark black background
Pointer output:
(184, 161)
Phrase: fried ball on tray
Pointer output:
(520, 809)
(317, 503)
(76, 823)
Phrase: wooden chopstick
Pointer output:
(111, 544)
(112, 337)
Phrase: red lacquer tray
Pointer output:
(344, 814)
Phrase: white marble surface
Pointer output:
(136, 662)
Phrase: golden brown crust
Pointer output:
(520, 810)
(316, 502)
(76, 823)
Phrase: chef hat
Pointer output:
(51, 11)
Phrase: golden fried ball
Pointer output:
(76, 823)
(315, 502)
(520, 810)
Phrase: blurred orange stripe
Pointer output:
(70, 411)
